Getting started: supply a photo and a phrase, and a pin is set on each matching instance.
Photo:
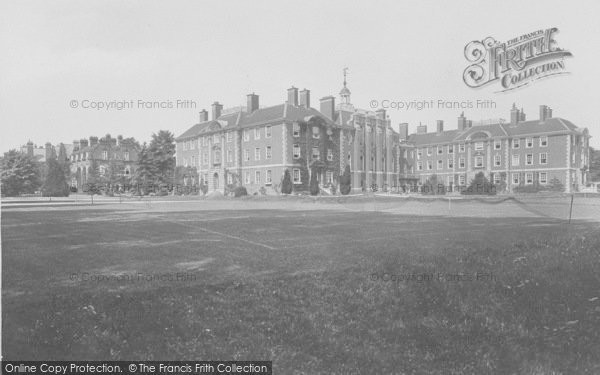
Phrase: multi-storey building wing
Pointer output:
(118, 154)
(253, 146)
(518, 152)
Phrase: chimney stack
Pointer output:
(440, 126)
(216, 110)
(83, 143)
(522, 116)
(305, 98)
(328, 107)
(548, 112)
(292, 96)
(470, 123)
(422, 129)
(93, 140)
(462, 122)
(403, 130)
(252, 100)
(514, 115)
(203, 115)
(48, 150)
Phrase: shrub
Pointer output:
(333, 189)
(262, 190)
(556, 185)
(204, 188)
(480, 185)
(433, 186)
(286, 183)
(346, 181)
(229, 188)
(239, 191)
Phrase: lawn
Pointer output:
(331, 291)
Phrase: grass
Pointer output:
(309, 290)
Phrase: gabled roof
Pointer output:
(432, 138)
(238, 120)
(555, 124)
(551, 125)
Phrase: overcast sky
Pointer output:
(53, 53)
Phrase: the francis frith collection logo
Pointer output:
(515, 63)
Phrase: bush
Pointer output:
(333, 189)
(346, 181)
(433, 186)
(229, 189)
(262, 190)
(480, 186)
(286, 183)
(240, 191)
(556, 185)
(204, 188)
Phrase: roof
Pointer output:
(239, 120)
(533, 127)
(429, 138)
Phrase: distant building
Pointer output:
(107, 153)
(253, 146)
(41, 154)
(519, 152)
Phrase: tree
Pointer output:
(20, 174)
(346, 181)
(480, 185)
(146, 170)
(162, 155)
(286, 183)
(64, 161)
(55, 183)
(433, 186)
(93, 180)
(314, 183)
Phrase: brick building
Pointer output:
(107, 152)
(520, 152)
(253, 146)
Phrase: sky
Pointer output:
(61, 59)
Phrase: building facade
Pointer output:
(517, 153)
(115, 160)
(253, 146)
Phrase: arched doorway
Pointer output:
(216, 181)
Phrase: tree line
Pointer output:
(22, 174)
